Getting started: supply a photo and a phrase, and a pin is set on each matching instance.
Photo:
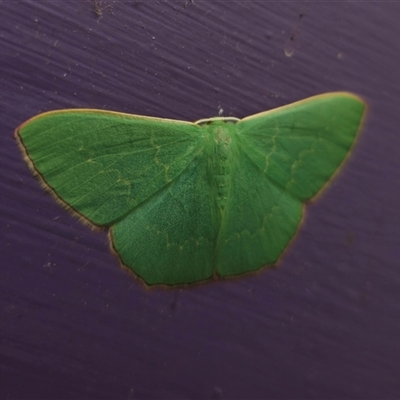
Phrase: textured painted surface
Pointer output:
(325, 324)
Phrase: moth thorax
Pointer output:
(222, 165)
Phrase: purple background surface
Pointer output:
(325, 324)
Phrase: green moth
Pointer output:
(185, 202)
